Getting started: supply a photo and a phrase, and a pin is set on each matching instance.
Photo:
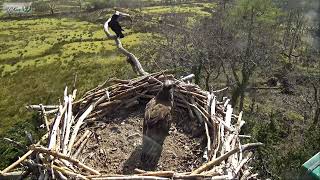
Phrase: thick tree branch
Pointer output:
(131, 58)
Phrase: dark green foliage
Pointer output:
(17, 132)
(283, 153)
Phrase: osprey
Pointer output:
(156, 124)
(114, 24)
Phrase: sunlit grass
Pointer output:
(194, 9)
(42, 57)
(63, 40)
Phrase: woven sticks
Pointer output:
(68, 132)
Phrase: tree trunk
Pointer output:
(246, 71)
(240, 92)
(316, 118)
(196, 70)
(207, 81)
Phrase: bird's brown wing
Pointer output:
(156, 112)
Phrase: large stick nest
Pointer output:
(55, 155)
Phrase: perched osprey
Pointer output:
(156, 124)
(114, 24)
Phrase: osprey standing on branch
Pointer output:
(156, 124)
(114, 23)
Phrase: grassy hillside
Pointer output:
(39, 57)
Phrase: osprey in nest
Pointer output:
(156, 124)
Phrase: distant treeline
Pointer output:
(51, 7)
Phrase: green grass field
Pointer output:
(194, 9)
(38, 58)
(33, 46)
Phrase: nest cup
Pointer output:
(99, 135)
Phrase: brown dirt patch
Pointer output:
(116, 147)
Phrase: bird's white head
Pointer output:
(168, 83)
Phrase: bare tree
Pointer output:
(52, 6)
(253, 24)
(292, 36)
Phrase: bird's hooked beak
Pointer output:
(122, 14)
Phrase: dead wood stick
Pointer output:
(152, 80)
(253, 176)
(64, 122)
(131, 58)
(213, 172)
(238, 129)
(142, 79)
(78, 142)
(80, 121)
(59, 140)
(51, 112)
(7, 169)
(13, 175)
(38, 107)
(213, 106)
(227, 145)
(218, 142)
(244, 136)
(61, 176)
(109, 103)
(158, 173)
(68, 127)
(202, 113)
(220, 90)
(53, 135)
(215, 126)
(208, 137)
(105, 175)
(197, 112)
(223, 177)
(244, 161)
(195, 176)
(120, 81)
(228, 137)
(245, 175)
(188, 77)
(83, 143)
(202, 103)
(96, 89)
(63, 156)
(131, 178)
(206, 125)
(129, 91)
(234, 158)
(16, 143)
(139, 171)
(181, 99)
(44, 115)
(67, 172)
(205, 113)
(193, 93)
(223, 157)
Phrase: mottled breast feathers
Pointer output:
(156, 112)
